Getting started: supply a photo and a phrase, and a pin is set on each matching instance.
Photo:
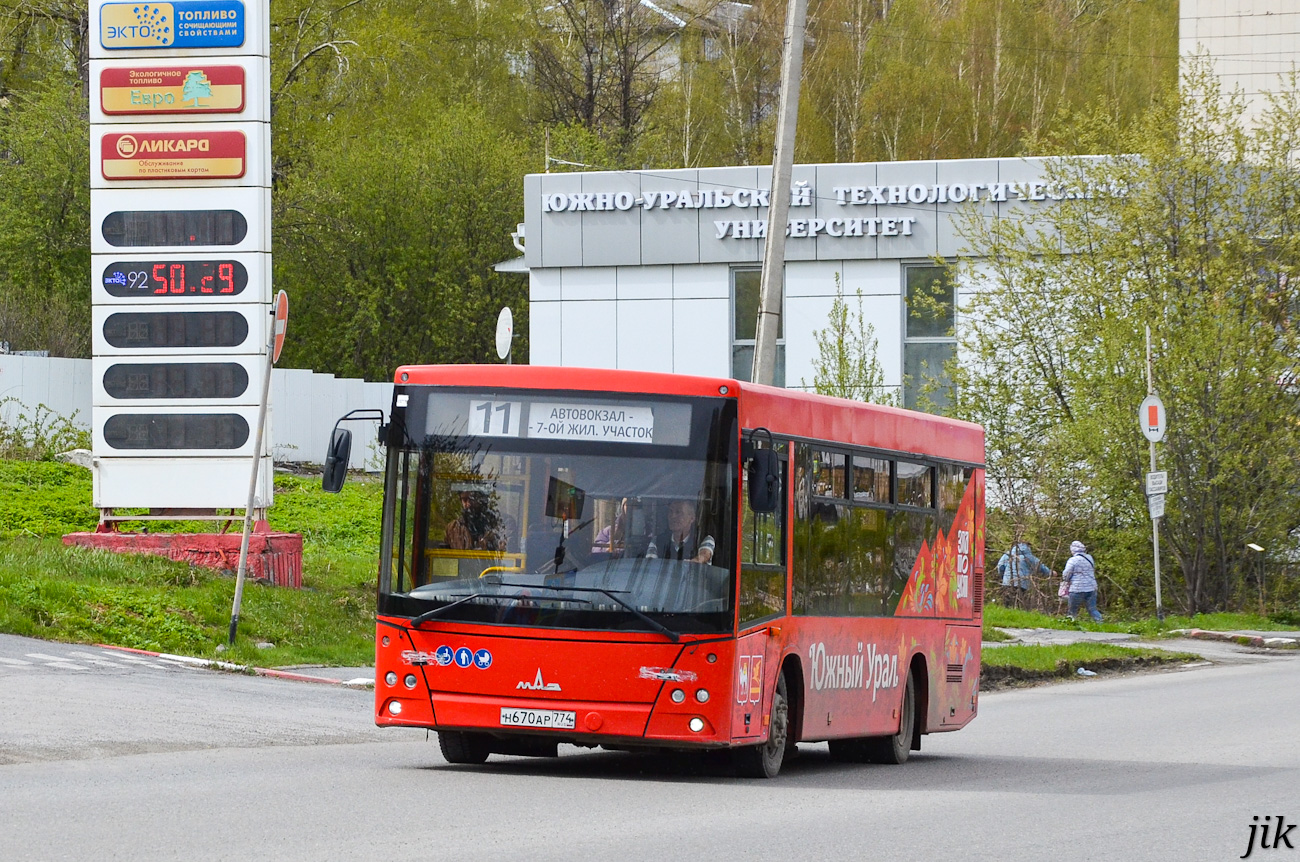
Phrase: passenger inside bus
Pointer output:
(682, 540)
(477, 527)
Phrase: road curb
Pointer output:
(361, 682)
(1244, 640)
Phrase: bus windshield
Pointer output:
(539, 529)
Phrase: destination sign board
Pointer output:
(606, 423)
(179, 24)
(172, 90)
(192, 155)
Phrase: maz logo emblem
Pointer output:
(538, 684)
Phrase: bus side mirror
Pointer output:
(764, 481)
(336, 460)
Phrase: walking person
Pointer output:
(1018, 566)
(1081, 574)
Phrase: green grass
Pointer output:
(78, 595)
(997, 616)
(1047, 659)
(83, 596)
(994, 635)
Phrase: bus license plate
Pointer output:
(556, 718)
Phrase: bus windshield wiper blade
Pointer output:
(648, 620)
(428, 615)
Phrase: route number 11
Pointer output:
(494, 418)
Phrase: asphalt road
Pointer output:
(152, 761)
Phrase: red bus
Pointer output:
(637, 560)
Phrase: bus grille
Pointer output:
(978, 598)
(954, 673)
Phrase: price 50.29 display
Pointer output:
(146, 279)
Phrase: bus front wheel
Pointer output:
(460, 747)
(764, 761)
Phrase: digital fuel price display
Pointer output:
(174, 228)
(169, 329)
(153, 279)
(176, 431)
(176, 380)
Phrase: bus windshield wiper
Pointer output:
(645, 618)
(428, 615)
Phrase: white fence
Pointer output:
(304, 404)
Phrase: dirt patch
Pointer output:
(994, 677)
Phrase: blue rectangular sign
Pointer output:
(178, 24)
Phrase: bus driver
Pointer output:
(681, 540)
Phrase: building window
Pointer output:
(930, 336)
(744, 322)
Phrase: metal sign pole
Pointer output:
(279, 315)
(252, 488)
(1155, 521)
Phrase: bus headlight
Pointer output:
(395, 708)
(697, 724)
(702, 695)
(410, 680)
(390, 678)
(678, 695)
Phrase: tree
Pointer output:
(45, 220)
(847, 365)
(599, 63)
(1194, 235)
(387, 246)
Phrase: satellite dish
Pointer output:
(505, 332)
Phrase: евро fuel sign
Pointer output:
(152, 90)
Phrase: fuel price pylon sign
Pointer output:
(181, 252)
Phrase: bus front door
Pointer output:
(747, 695)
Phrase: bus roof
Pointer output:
(782, 411)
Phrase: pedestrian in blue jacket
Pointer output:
(1019, 565)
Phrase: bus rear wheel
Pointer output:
(460, 747)
(895, 749)
(764, 761)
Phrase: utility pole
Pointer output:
(778, 211)
(1153, 426)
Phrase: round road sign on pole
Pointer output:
(1151, 418)
(281, 324)
(505, 332)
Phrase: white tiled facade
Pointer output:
(649, 286)
(1250, 42)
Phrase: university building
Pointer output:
(658, 270)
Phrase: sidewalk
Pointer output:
(353, 677)
(1216, 646)
(350, 677)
